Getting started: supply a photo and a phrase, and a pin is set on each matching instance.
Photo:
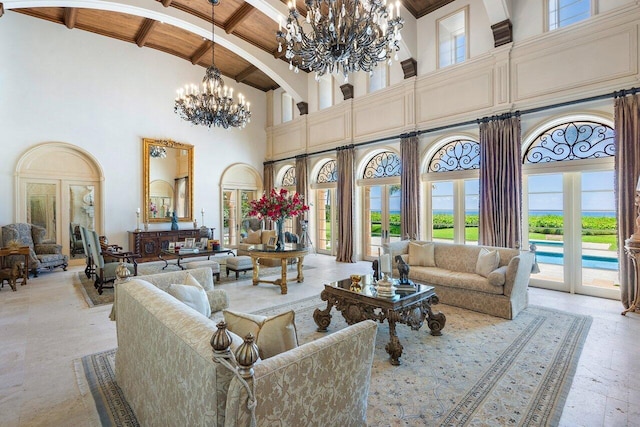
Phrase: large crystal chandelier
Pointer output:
(212, 105)
(345, 35)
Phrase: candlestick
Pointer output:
(138, 211)
(137, 230)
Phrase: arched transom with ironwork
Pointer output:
(383, 165)
(327, 173)
(289, 177)
(457, 155)
(574, 140)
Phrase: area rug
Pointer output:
(90, 294)
(483, 370)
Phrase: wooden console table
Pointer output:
(150, 244)
(24, 251)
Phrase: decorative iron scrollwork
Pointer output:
(572, 141)
(328, 172)
(383, 165)
(289, 178)
(458, 155)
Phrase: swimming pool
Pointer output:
(557, 258)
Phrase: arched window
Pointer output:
(453, 191)
(381, 185)
(289, 178)
(325, 211)
(569, 206)
(572, 141)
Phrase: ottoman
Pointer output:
(239, 263)
(215, 267)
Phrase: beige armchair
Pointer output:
(43, 253)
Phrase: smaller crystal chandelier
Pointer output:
(346, 36)
(157, 152)
(214, 105)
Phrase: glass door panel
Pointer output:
(382, 217)
(599, 249)
(41, 207)
(442, 208)
(325, 221)
(471, 209)
(81, 214)
(546, 227)
(229, 218)
(246, 196)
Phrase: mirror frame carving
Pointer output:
(146, 146)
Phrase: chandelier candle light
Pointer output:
(278, 206)
(346, 36)
(212, 105)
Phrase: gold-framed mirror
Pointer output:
(167, 180)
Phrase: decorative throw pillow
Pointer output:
(274, 334)
(193, 296)
(422, 254)
(498, 277)
(253, 237)
(487, 262)
(266, 235)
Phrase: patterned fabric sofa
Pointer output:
(165, 369)
(454, 273)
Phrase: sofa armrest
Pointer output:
(518, 273)
(218, 299)
(287, 386)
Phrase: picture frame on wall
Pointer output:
(190, 243)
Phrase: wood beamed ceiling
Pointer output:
(235, 17)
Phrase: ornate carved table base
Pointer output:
(632, 248)
(411, 310)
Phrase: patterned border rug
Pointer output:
(483, 370)
(92, 298)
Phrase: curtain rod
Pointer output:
(616, 94)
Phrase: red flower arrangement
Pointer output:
(278, 205)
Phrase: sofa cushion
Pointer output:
(274, 335)
(253, 237)
(487, 262)
(422, 254)
(498, 276)
(435, 276)
(191, 294)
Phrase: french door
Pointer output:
(571, 221)
(235, 210)
(326, 241)
(454, 210)
(382, 217)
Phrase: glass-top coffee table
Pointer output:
(358, 302)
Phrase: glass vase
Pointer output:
(280, 234)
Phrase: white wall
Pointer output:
(104, 96)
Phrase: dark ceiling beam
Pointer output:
(242, 75)
(70, 17)
(1, 10)
(145, 31)
(202, 50)
(236, 19)
(166, 3)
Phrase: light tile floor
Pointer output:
(45, 325)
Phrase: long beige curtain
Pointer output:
(302, 180)
(344, 163)
(500, 182)
(410, 185)
(627, 170)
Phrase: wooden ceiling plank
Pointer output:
(145, 31)
(1, 10)
(202, 50)
(70, 17)
(242, 75)
(166, 3)
(240, 15)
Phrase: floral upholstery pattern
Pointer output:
(165, 369)
(458, 284)
(42, 254)
(314, 384)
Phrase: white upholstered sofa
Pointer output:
(165, 369)
(458, 277)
